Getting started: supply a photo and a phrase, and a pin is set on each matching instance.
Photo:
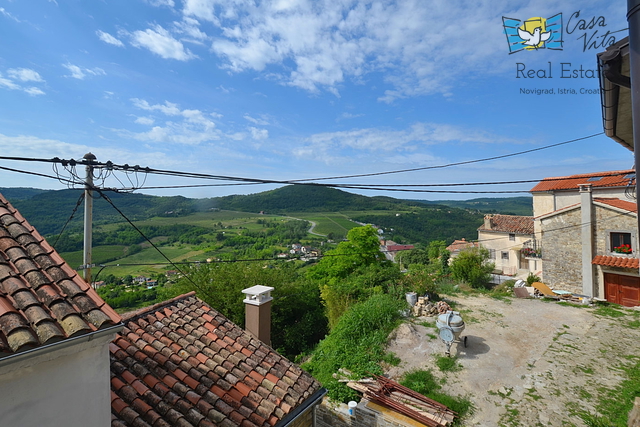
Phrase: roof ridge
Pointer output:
(155, 307)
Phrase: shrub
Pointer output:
(471, 267)
(532, 278)
(356, 343)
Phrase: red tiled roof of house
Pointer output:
(510, 224)
(617, 203)
(615, 261)
(608, 179)
(181, 363)
(42, 300)
(458, 245)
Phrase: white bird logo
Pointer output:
(535, 38)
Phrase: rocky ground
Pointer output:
(527, 362)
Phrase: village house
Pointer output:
(54, 334)
(511, 244)
(391, 249)
(178, 363)
(459, 245)
(587, 228)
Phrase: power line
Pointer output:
(75, 209)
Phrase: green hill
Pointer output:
(306, 198)
(502, 205)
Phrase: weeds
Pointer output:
(448, 364)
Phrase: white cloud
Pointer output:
(259, 133)
(162, 43)
(159, 3)
(330, 145)
(33, 91)
(350, 116)
(108, 38)
(8, 15)
(7, 83)
(80, 73)
(416, 46)
(147, 121)
(187, 126)
(261, 121)
(24, 75)
(190, 30)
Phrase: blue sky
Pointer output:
(294, 89)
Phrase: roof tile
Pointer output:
(191, 378)
(615, 261)
(47, 315)
(607, 179)
(516, 224)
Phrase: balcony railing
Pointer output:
(531, 249)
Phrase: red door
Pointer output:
(624, 290)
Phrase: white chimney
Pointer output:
(257, 305)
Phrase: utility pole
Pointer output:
(88, 216)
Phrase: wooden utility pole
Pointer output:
(88, 216)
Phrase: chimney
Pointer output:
(487, 222)
(586, 209)
(258, 312)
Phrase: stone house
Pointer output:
(572, 257)
(458, 245)
(591, 247)
(509, 241)
(178, 363)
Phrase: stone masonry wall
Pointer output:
(326, 416)
(562, 245)
(562, 251)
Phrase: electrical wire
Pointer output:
(78, 203)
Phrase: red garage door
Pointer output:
(624, 290)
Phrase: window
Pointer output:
(505, 255)
(512, 237)
(620, 242)
(492, 253)
(595, 178)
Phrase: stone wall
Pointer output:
(562, 251)
(366, 414)
(562, 246)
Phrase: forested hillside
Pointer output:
(426, 225)
(503, 205)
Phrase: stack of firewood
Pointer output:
(426, 308)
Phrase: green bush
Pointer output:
(531, 278)
(356, 343)
(471, 267)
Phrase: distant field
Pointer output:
(329, 222)
(100, 255)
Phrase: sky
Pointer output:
(302, 90)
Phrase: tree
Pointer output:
(361, 248)
(472, 267)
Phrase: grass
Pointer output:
(100, 254)
(448, 364)
(616, 403)
(424, 382)
(609, 310)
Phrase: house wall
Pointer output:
(562, 251)
(64, 387)
(366, 414)
(562, 248)
(608, 220)
(500, 242)
(544, 203)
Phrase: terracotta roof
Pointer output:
(458, 245)
(608, 179)
(615, 261)
(509, 224)
(617, 203)
(42, 299)
(181, 363)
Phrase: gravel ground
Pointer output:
(527, 362)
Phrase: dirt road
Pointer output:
(527, 362)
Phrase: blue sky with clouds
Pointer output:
(295, 89)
